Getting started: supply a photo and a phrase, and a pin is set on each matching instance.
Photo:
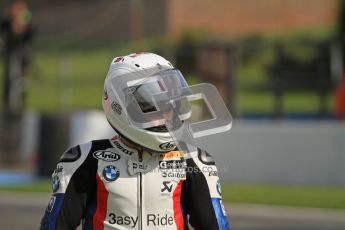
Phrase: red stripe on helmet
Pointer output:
(119, 59)
(101, 210)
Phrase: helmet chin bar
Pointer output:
(137, 144)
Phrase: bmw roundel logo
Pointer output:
(219, 189)
(110, 173)
(55, 183)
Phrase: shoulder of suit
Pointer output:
(200, 155)
(205, 157)
(74, 153)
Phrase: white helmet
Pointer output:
(143, 65)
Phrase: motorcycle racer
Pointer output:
(140, 178)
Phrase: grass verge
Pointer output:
(302, 196)
(311, 196)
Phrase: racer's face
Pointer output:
(154, 102)
(144, 94)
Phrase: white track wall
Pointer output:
(279, 152)
(284, 152)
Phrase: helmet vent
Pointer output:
(137, 65)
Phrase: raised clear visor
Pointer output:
(160, 100)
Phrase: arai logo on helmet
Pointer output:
(116, 107)
(106, 156)
(168, 145)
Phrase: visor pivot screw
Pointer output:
(173, 104)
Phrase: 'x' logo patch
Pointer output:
(166, 187)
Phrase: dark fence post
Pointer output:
(10, 126)
(53, 141)
(215, 63)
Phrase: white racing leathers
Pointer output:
(105, 184)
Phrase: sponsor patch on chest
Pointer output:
(173, 169)
(110, 173)
(105, 155)
(129, 221)
(172, 164)
(135, 167)
(151, 220)
(176, 174)
(122, 147)
(167, 187)
(172, 155)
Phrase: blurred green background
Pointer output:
(71, 80)
(69, 65)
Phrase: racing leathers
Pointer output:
(105, 184)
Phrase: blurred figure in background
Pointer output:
(340, 99)
(16, 31)
(339, 107)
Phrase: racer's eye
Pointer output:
(143, 94)
(158, 129)
(144, 101)
(147, 107)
